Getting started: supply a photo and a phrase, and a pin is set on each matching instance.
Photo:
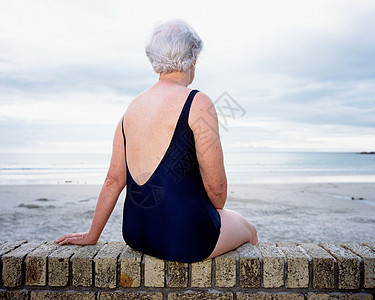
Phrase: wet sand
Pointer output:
(298, 212)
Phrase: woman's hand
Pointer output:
(81, 238)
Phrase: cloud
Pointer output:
(79, 77)
(334, 41)
(20, 136)
(302, 70)
(271, 134)
(317, 71)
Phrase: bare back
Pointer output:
(149, 124)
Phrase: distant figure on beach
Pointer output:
(168, 154)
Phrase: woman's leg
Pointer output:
(235, 231)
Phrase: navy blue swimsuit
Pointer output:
(170, 216)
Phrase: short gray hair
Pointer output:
(173, 46)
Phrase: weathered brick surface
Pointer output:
(273, 265)
(129, 296)
(370, 245)
(177, 274)
(5, 247)
(82, 264)
(348, 266)
(36, 264)
(249, 266)
(323, 266)
(266, 296)
(12, 264)
(154, 271)
(62, 295)
(130, 268)
(200, 296)
(297, 265)
(58, 265)
(14, 295)
(106, 264)
(201, 273)
(225, 270)
(368, 257)
(339, 296)
(234, 275)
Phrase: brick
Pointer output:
(6, 247)
(106, 265)
(297, 265)
(58, 265)
(63, 295)
(130, 267)
(370, 245)
(249, 263)
(348, 266)
(82, 264)
(323, 266)
(177, 274)
(225, 270)
(273, 265)
(286, 244)
(154, 271)
(12, 263)
(130, 296)
(200, 296)
(318, 296)
(36, 264)
(360, 296)
(265, 296)
(201, 273)
(14, 295)
(368, 257)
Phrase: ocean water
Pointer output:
(300, 167)
(49, 168)
(241, 167)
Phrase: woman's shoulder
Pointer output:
(134, 104)
(202, 108)
(202, 103)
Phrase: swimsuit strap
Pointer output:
(122, 125)
(123, 133)
(184, 116)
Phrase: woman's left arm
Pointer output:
(112, 187)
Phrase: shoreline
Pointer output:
(232, 180)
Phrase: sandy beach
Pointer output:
(298, 212)
(308, 212)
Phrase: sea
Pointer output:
(241, 167)
(43, 196)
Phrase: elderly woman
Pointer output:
(167, 152)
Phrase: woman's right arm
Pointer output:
(113, 185)
(204, 124)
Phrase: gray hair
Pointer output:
(173, 46)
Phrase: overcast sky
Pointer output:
(302, 73)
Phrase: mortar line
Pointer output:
(213, 273)
(189, 275)
(142, 271)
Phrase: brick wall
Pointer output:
(44, 270)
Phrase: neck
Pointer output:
(180, 78)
